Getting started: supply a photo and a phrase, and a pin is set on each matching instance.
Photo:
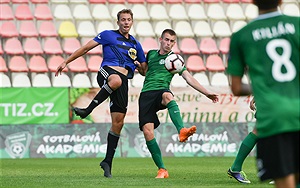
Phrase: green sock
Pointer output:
(175, 115)
(155, 153)
(244, 150)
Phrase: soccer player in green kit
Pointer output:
(156, 95)
(269, 48)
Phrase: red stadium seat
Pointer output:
(32, 46)
(194, 64)
(23, 12)
(149, 44)
(189, 46)
(3, 67)
(78, 65)
(214, 63)
(175, 49)
(208, 46)
(54, 61)
(95, 51)
(94, 63)
(224, 48)
(193, 1)
(47, 29)
(39, 1)
(173, 1)
(155, 1)
(211, 1)
(8, 29)
(43, 12)
(6, 12)
(231, 1)
(52, 46)
(4, 1)
(116, 1)
(28, 29)
(37, 64)
(70, 45)
(18, 64)
(13, 47)
(135, 1)
(224, 45)
(1, 50)
(246, 1)
(19, 1)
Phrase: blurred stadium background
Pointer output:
(36, 35)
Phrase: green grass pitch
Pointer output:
(184, 172)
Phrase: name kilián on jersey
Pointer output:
(274, 31)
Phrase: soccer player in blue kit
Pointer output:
(120, 51)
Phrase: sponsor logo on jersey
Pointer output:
(162, 62)
(132, 53)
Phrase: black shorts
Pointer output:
(278, 156)
(149, 104)
(119, 97)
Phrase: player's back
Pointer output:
(270, 48)
(277, 60)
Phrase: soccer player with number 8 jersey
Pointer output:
(268, 48)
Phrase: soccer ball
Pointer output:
(174, 63)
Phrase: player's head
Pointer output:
(125, 21)
(267, 4)
(167, 40)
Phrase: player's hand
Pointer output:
(60, 68)
(252, 105)
(137, 64)
(213, 97)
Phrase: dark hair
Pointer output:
(170, 31)
(266, 4)
(124, 11)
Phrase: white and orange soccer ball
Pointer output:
(174, 63)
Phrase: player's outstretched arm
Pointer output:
(79, 52)
(197, 86)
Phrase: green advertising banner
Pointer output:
(90, 140)
(34, 105)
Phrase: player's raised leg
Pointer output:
(174, 111)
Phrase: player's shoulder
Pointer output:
(152, 51)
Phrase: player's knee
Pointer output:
(167, 97)
(114, 81)
(148, 132)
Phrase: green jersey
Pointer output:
(157, 76)
(269, 47)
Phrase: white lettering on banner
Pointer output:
(207, 148)
(19, 109)
(67, 148)
(82, 144)
(72, 138)
(205, 137)
(212, 144)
